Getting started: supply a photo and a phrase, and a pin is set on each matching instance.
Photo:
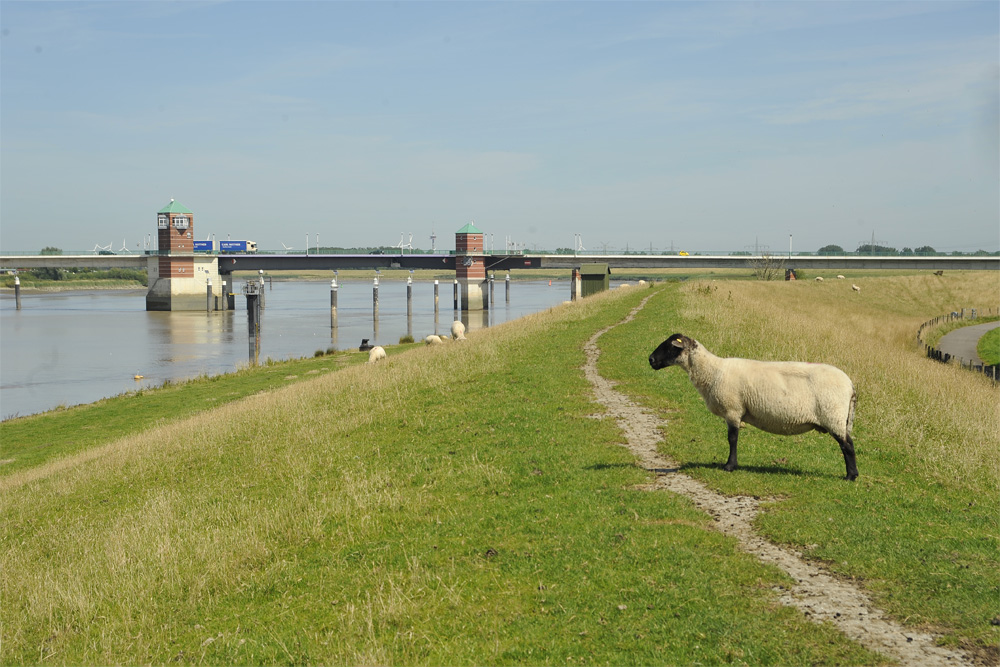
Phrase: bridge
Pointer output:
(501, 262)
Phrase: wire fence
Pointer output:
(991, 371)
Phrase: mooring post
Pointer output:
(208, 297)
(375, 297)
(225, 296)
(409, 295)
(333, 302)
(17, 292)
(492, 276)
(436, 307)
(253, 320)
(261, 273)
(507, 281)
(456, 295)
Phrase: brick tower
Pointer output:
(178, 280)
(470, 266)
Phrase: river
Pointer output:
(67, 348)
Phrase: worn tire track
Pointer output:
(818, 594)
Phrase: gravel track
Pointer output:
(817, 593)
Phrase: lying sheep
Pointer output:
(376, 353)
(433, 340)
(819, 279)
(783, 397)
(458, 330)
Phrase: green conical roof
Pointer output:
(469, 229)
(174, 207)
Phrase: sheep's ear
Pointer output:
(678, 342)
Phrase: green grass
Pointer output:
(919, 529)
(988, 348)
(29, 441)
(455, 505)
(459, 504)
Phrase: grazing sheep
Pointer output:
(856, 288)
(939, 273)
(783, 397)
(433, 340)
(840, 277)
(376, 353)
(458, 330)
(641, 283)
(819, 279)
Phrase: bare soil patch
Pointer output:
(821, 596)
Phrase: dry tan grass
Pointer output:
(872, 336)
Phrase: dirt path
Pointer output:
(819, 595)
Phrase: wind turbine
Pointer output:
(124, 247)
(286, 247)
(98, 248)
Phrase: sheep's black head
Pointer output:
(670, 350)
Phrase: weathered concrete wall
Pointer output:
(175, 293)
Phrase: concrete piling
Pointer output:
(253, 320)
(333, 302)
(17, 292)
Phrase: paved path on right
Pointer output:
(962, 342)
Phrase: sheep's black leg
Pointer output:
(734, 434)
(847, 447)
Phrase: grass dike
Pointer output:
(459, 504)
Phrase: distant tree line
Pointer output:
(924, 250)
(51, 273)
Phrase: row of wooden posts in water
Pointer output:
(254, 292)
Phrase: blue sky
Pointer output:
(698, 126)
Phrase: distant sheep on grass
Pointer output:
(433, 340)
(856, 289)
(458, 330)
(375, 354)
(783, 397)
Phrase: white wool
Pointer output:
(376, 353)
(433, 340)
(784, 397)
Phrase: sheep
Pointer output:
(458, 330)
(856, 289)
(840, 277)
(433, 340)
(783, 397)
(819, 279)
(376, 353)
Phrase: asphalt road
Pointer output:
(962, 342)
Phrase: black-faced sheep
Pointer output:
(783, 397)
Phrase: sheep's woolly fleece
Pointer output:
(817, 593)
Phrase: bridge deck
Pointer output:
(284, 262)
